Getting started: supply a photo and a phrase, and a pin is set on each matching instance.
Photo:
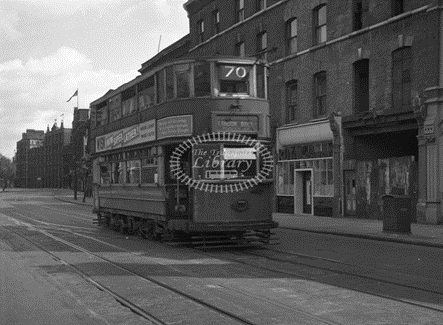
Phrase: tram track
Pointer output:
(305, 318)
(250, 257)
(245, 258)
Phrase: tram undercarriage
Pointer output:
(214, 235)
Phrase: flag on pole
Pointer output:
(75, 94)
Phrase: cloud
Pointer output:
(34, 93)
(8, 22)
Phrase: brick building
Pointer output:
(30, 139)
(78, 146)
(355, 89)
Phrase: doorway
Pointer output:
(350, 190)
(303, 200)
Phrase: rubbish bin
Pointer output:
(397, 213)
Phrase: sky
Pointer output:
(50, 48)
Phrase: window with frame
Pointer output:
(202, 80)
(133, 171)
(320, 24)
(401, 78)
(101, 116)
(160, 78)
(201, 30)
(262, 44)
(397, 7)
(146, 90)
(361, 85)
(320, 94)
(149, 167)
(358, 14)
(129, 106)
(183, 79)
(117, 172)
(169, 82)
(234, 79)
(292, 101)
(240, 49)
(261, 77)
(239, 10)
(291, 36)
(215, 22)
(261, 5)
(105, 174)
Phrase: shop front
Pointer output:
(306, 168)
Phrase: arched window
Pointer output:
(401, 78)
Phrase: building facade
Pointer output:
(76, 152)
(355, 89)
(23, 158)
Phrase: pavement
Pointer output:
(421, 234)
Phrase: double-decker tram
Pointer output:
(181, 153)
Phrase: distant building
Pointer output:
(30, 139)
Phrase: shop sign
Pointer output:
(174, 126)
(241, 124)
(135, 134)
(307, 151)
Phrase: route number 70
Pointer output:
(240, 72)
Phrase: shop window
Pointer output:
(240, 49)
(285, 178)
(291, 36)
(361, 85)
(133, 171)
(201, 31)
(292, 101)
(183, 75)
(117, 176)
(215, 22)
(262, 45)
(239, 10)
(401, 78)
(323, 177)
(261, 71)
(397, 7)
(202, 80)
(320, 24)
(320, 94)
(261, 5)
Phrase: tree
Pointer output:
(6, 171)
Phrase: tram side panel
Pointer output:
(248, 206)
(133, 200)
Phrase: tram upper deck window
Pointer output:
(234, 79)
(146, 93)
(202, 79)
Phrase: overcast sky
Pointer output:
(49, 48)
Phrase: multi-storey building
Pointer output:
(78, 148)
(31, 139)
(54, 169)
(355, 91)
